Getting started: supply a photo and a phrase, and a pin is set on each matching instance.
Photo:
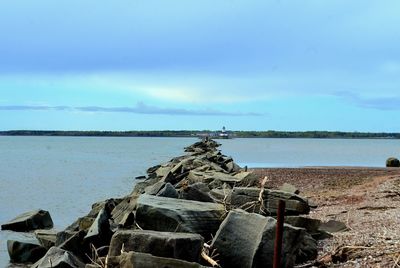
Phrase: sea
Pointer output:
(65, 175)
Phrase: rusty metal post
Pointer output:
(279, 234)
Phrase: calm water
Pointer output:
(65, 175)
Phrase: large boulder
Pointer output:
(177, 215)
(144, 260)
(392, 162)
(21, 252)
(29, 221)
(246, 240)
(59, 258)
(248, 199)
(184, 246)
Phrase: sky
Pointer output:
(195, 65)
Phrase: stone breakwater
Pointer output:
(200, 209)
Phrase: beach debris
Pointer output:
(392, 162)
(183, 246)
(29, 221)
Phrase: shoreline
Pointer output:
(366, 199)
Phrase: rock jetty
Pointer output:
(198, 210)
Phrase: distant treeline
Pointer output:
(194, 133)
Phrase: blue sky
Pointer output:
(246, 65)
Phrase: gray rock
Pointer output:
(46, 238)
(333, 226)
(286, 187)
(63, 236)
(238, 239)
(232, 167)
(247, 198)
(247, 179)
(155, 188)
(168, 191)
(198, 192)
(100, 233)
(246, 240)
(29, 221)
(123, 209)
(59, 258)
(76, 245)
(184, 246)
(144, 260)
(392, 162)
(177, 215)
(21, 252)
(212, 175)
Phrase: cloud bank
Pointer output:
(140, 108)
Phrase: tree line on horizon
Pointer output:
(195, 133)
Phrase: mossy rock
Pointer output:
(392, 162)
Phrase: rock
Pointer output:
(247, 240)
(232, 167)
(247, 179)
(286, 187)
(76, 244)
(221, 195)
(155, 188)
(123, 209)
(144, 260)
(108, 204)
(215, 184)
(198, 192)
(59, 258)
(63, 236)
(212, 175)
(46, 238)
(333, 226)
(140, 178)
(184, 246)
(392, 162)
(29, 221)
(21, 252)
(247, 198)
(238, 239)
(128, 220)
(177, 215)
(168, 191)
(99, 233)
(311, 225)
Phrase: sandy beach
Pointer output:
(367, 200)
